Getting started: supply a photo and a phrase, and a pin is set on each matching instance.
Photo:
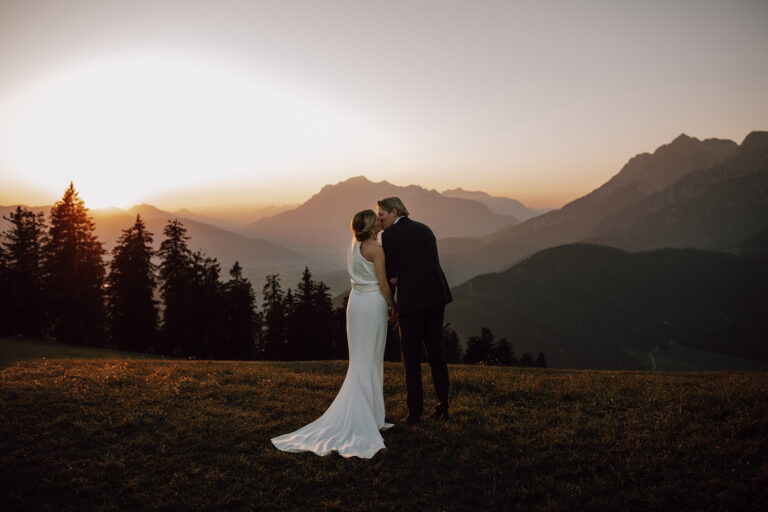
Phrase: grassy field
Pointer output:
(19, 349)
(119, 434)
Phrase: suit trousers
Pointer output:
(424, 327)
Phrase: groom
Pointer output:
(410, 249)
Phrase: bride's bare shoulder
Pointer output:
(372, 250)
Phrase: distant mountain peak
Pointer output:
(146, 210)
(755, 140)
(356, 180)
(460, 190)
(321, 224)
(143, 205)
(654, 171)
(360, 180)
(683, 138)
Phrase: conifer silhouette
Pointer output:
(175, 288)
(75, 273)
(133, 313)
(23, 311)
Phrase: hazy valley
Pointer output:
(583, 300)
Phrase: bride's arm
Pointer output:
(379, 266)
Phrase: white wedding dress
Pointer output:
(351, 425)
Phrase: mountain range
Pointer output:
(257, 256)
(290, 242)
(709, 208)
(684, 176)
(500, 205)
(234, 221)
(590, 306)
(321, 224)
(666, 256)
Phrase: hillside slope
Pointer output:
(588, 306)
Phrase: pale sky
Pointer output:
(195, 104)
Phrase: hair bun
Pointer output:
(362, 223)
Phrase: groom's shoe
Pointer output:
(411, 420)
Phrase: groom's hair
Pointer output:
(393, 203)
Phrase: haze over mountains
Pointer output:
(596, 306)
(643, 176)
(709, 208)
(234, 221)
(257, 256)
(585, 301)
(321, 224)
(500, 205)
(291, 239)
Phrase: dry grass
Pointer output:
(194, 435)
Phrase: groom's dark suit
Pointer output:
(422, 293)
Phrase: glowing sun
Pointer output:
(128, 125)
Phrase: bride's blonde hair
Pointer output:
(362, 223)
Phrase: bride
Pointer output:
(351, 425)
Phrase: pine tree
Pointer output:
(300, 324)
(540, 361)
(5, 296)
(480, 348)
(526, 360)
(239, 300)
(130, 291)
(258, 333)
(289, 301)
(502, 352)
(206, 308)
(75, 273)
(322, 308)
(175, 288)
(453, 351)
(25, 308)
(274, 318)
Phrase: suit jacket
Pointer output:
(410, 249)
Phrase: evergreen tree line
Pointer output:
(484, 349)
(55, 284)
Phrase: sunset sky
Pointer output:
(200, 104)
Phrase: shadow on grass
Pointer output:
(121, 434)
